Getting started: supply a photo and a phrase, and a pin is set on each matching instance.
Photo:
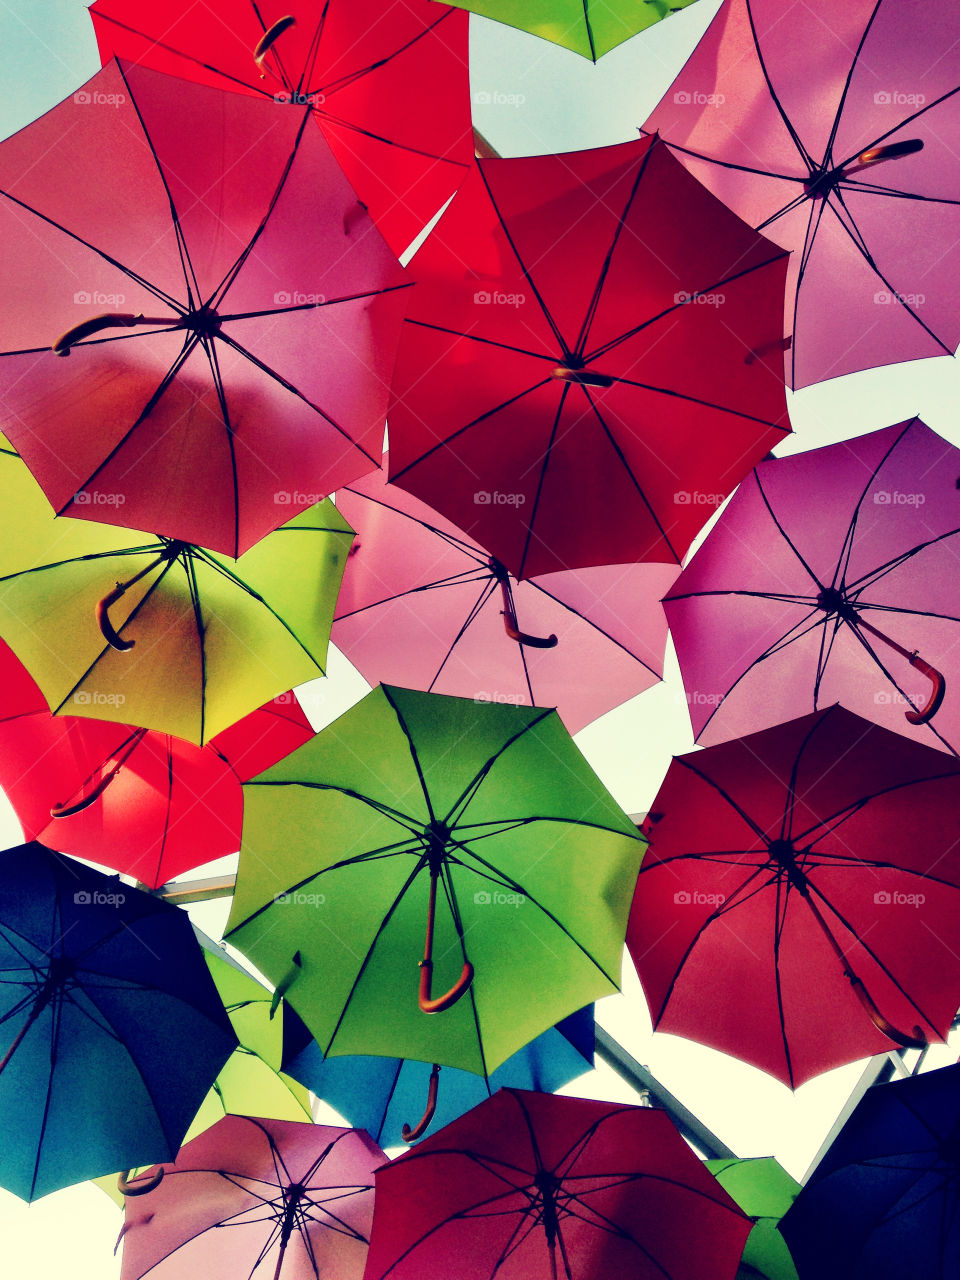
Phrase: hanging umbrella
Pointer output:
(529, 1186)
(587, 27)
(829, 129)
(798, 902)
(380, 1094)
(591, 359)
(764, 1191)
(188, 642)
(145, 803)
(407, 798)
(829, 578)
(257, 1198)
(424, 606)
(229, 314)
(883, 1201)
(112, 1029)
(388, 84)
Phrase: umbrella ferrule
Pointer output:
(582, 377)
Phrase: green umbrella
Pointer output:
(765, 1191)
(121, 625)
(407, 798)
(590, 27)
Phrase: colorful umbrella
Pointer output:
(381, 1094)
(257, 1198)
(797, 907)
(883, 1201)
(195, 641)
(529, 1186)
(424, 606)
(829, 129)
(591, 361)
(589, 27)
(764, 1191)
(229, 313)
(142, 802)
(112, 1029)
(349, 842)
(388, 84)
(830, 577)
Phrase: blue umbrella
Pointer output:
(885, 1201)
(382, 1094)
(111, 1028)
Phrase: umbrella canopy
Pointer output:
(257, 1198)
(111, 1026)
(798, 904)
(349, 842)
(829, 578)
(424, 606)
(388, 84)
(211, 639)
(591, 360)
(589, 27)
(829, 129)
(382, 1095)
(764, 1191)
(145, 803)
(529, 1186)
(883, 1201)
(229, 351)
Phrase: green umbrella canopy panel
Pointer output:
(765, 1191)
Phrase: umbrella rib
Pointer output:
(453, 580)
(809, 237)
(408, 824)
(191, 576)
(782, 530)
(708, 404)
(462, 543)
(475, 337)
(730, 164)
(345, 81)
(315, 306)
(536, 586)
(459, 806)
(390, 142)
(788, 125)
(210, 350)
(875, 189)
(779, 924)
(169, 810)
(824, 654)
(405, 728)
(378, 1136)
(881, 608)
(906, 697)
(541, 478)
(284, 77)
(846, 84)
(724, 794)
(872, 576)
(55, 1019)
(589, 27)
(849, 810)
(786, 822)
(490, 586)
(914, 115)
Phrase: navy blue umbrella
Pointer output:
(885, 1201)
(111, 1029)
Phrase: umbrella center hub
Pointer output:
(821, 182)
(783, 855)
(833, 601)
(204, 322)
(548, 1186)
(437, 836)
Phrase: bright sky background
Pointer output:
(530, 97)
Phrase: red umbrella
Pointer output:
(145, 803)
(830, 577)
(797, 906)
(531, 1186)
(591, 361)
(424, 606)
(830, 127)
(256, 1199)
(388, 84)
(229, 312)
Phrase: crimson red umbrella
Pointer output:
(532, 1186)
(143, 802)
(228, 312)
(388, 84)
(797, 906)
(830, 127)
(591, 361)
(830, 577)
(425, 606)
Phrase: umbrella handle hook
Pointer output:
(68, 810)
(112, 638)
(429, 1004)
(267, 40)
(108, 320)
(411, 1135)
(509, 613)
(139, 1187)
(917, 1041)
(919, 715)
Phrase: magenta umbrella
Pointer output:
(254, 1199)
(425, 606)
(832, 128)
(830, 577)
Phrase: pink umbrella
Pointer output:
(830, 577)
(832, 128)
(251, 1199)
(425, 606)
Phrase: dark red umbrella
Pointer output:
(830, 127)
(830, 577)
(228, 311)
(798, 904)
(424, 606)
(388, 84)
(532, 1186)
(591, 361)
(145, 803)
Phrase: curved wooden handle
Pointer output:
(108, 320)
(140, 1187)
(582, 377)
(923, 715)
(917, 1041)
(268, 38)
(430, 1005)
(68, 810)
(104, 623)
(510, 616)
(889, 151)
(411, 1135)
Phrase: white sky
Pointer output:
(530, 97)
